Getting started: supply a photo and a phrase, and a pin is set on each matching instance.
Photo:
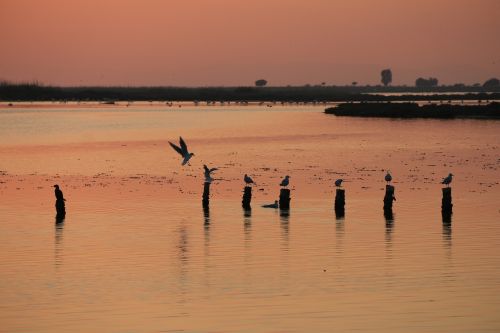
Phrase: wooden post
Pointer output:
(389, 198)
(285, 199)
(340, 202)
(206, 195)
(247, 198)
(60, 209)
(446, 205)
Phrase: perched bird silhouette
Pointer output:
(248, 180)
(274, 205)
(208, 172)
(447, 180)
(183, 151)
(285, 181)
(58, 193)
(338, 182)
(388, 177)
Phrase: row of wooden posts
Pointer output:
(284, 200)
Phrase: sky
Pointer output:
(235, 42)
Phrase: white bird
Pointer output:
(447, 180)
(338, 182)
(248, 180)
(285, 181)
(208, 178)
(388, 177)
(182, 150)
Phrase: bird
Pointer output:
(338, 182)
(183, 151)
(447, 180)
(274, 205)
(58, 193)
(248, 180)
(388, 177)
(285, 181)
(208, 172)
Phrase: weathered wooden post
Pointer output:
(206, 194)
(247, 198)
(285, 199)
(389, 198)
(340, 203)
(446, 205)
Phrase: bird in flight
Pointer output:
(285, 181)
(248, 180)
(208, 172)
(447, 180)
(183, 151)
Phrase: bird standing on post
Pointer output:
(285, 181)
(182, 150)
(248, 180)
(388, 177)
(208, 172)
(338, 182)
(447, 180)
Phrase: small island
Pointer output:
(413, 110)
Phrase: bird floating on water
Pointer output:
(388, 177)
(248, 180)
(183, 151)
(447, 180)
(285, 181)
(208, 172)
(338, 182)
(274, 205)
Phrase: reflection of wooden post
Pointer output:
(446, 205)
(340, 202)
(247, 197)
(389, 197)
(206, 195)
(285, 199)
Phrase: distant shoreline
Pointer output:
(36, 92)
(413, 110)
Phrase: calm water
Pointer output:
(137, 253)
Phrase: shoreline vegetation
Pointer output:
(413, 110)
(308, 93)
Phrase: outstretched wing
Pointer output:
(212, 170)
(176, 148)
(183, 146)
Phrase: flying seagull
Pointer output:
(182, 150)
(388, 177)
(208, 172)
(338, 182)
(248, 180)
(447, 180)
(285, 181)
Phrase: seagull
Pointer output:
(388, 177)
(248, 180)
(338, 182)
(447, 180)
(285, 181)
(274, 205)
(208, 178)
(182, 150)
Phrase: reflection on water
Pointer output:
(58, 247)
(139, 255)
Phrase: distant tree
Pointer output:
(491, 83)
(260, 83)
(354, 83)
(386, 77)
(426, 83)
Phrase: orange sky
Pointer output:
(235, 42)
